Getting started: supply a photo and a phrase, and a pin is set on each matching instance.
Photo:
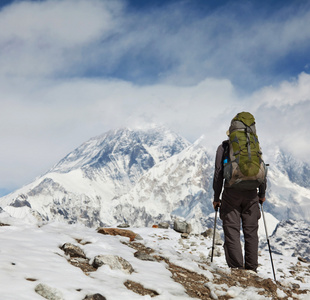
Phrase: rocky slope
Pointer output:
(72, 262)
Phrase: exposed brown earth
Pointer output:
(196, 285)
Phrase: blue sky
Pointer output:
(73, 69)
(251, 43)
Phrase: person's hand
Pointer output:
(262, 200)
(216, 204)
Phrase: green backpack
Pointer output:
(244, 168)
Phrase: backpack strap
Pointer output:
(225, 145)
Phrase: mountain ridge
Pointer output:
(143, 177)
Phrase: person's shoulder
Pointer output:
(225, 143)
(222, 146)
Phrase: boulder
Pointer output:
(164, 225)
(144, 256)
(209, 234)
(73, 250)
(182, 226)
(114, 262)
(184, 235)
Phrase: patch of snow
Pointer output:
(31, 255)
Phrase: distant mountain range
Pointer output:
(142, 177)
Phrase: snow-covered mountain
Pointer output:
(288, 191)
(143, 177)
(291, 238)
(180, 186)
(296, 170)
(87, 185)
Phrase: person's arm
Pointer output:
(262, 191)
(218, 176)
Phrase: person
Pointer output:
(236, 206)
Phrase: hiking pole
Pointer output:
(216, 209)
(274, 274)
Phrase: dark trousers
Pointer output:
(240, 206)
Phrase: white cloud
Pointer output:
(288, 93)
(283, 112)
(45, 115)
(45, 120)
(69, 23)
(56, 37)
(40, 38)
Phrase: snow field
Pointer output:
(30, 255)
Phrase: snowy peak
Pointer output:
(296, 170)
(142, 147)
(145, 176)
(288, 193)
(83, 187)
(177, 187)
(291, 238)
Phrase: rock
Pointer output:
(82, 263)
(140, 289)
(209, 234)
(164, 225)
(95, 297)
(218, 242)
(269, 285)
(124, 225)
(302, 259)
(20, 203)
(3, 224)
(77, 257)
(122, 232)
(184, 235)
(48, 292)
(295, 286)
(73, 250)
(114, 262)
(301, 279)
(138, 237)
(216, 252)
(144, 256)
(182, 226)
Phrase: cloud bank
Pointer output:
(71, 70)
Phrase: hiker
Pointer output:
(242, 193)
